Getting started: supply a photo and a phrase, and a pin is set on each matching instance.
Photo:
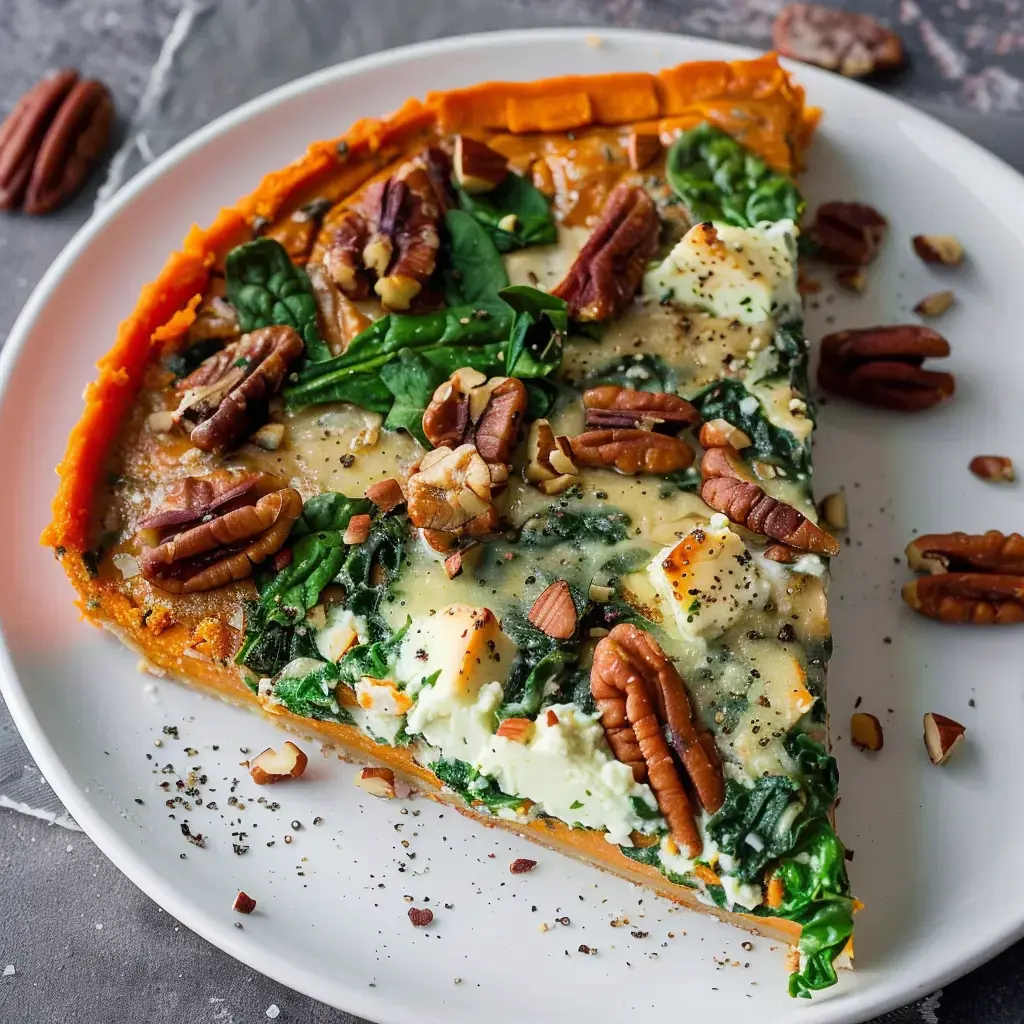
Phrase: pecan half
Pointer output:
(967, 552)
(881, 366)
(52, 140)
(223, 547)
(979, 598)
(388, 236)
(225, 398)
(855, 45)
(847, 233)
(468, 408)
(613, 406)
(649, 722)
(607, 272)
(189, 500)
(728, 488)
(450, 494)
(632, 451)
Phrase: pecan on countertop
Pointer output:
(649, 721)
(388, 238)
(605, 275)
(52, 140)
(967, 552)
(631, 451)
(225, 398)
(613, 406)
(728, 488)
(848, 234)
(882, 367)
(240, 525)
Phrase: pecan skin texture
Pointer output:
(631, 451)
(613, 406)
(855, 45)
(977, 598)
(647, 717)
(967, 552)
(849, 234)
(727, 488)
(222, 549)
(225, 398)
(52, 140)
(607, 272)
(882, 367)
(189, 500)
(450, 496)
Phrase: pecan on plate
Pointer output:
(849, 234)
(450, 495)
(631, 451)
(649, 722)
(240, 525)
(388, 237)
(967, 552)
(855, 45)
(728, 488)
(881, 366)
(52, 140)
(225, 398)
(468, 408)
(613, 406)
(605, 275)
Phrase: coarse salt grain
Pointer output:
(273, 1011)
(9, 971)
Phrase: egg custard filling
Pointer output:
(478, 442)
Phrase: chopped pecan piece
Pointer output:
(554, 612)
(998, 468)
(613, 406)
(780, 553)
(866, 731)
(632, 451)
(643, 148)
(225, 545)
(728, 488)
(881, 366)
(225, 398)
(647, 717)
(855, 45)
(935, 304)
(944, 249)
(979, 598)
(451, 494)
(607, 272)
(847, 233)
(387, 495)
(941, 736)
(390, 236)
(967, 552)
(478, 168)
(720, 432)
(549, 461)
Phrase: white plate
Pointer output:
(938, 850)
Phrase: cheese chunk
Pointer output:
(342, 631)
(707, 581)
(744, 274)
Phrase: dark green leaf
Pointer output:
(648, 373)
(412, 380)
(183, 362)
(306, 688)
(523, 696)
(372, 659)
(516, 195)
(473, 269)
(471, 785)
(558, 524)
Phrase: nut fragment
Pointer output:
(358, 529)
(478, 168)
(855, 45)
(385, 494)
(549, 461)
(941, 736)
(245, 527)
(379, 782)
(728, 488)
(719, 433)
(643, 148)
(997, 468)
(605, 275)
(268, 437)
(554, 611)
(852, 279)
(420, 917)
(521, 865)
(866, 731)
(613, 406)
(833, 511)
(881, 366)
(52, 140)
(935, 304)
(244, 903)
(451, 494)
(847, 233)
(277, 765)
(780, 553)
(518, 730)
(225, 398)
(647, 717)
(631, 451)
(944, 249)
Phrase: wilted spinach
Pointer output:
(471, 785)
(533, 225)
(306, 688)
(472, 269)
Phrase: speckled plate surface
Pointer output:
(938, 851)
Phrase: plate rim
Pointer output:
(857, 1006)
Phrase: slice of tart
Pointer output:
(478, 443)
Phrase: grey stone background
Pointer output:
(78, 941)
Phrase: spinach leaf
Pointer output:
(527, 690)
(730, 400)
(720, 179)
(538, 331)
(372, 659)
(266, 288)
(329, 511)
(533, 225)
(650, 855)
(558, 524)
(471, 785)
(306, 688)
(412, 380)
(269, 644)
(473, 270)
(184, 361)
(370, 569)
(648, 373)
